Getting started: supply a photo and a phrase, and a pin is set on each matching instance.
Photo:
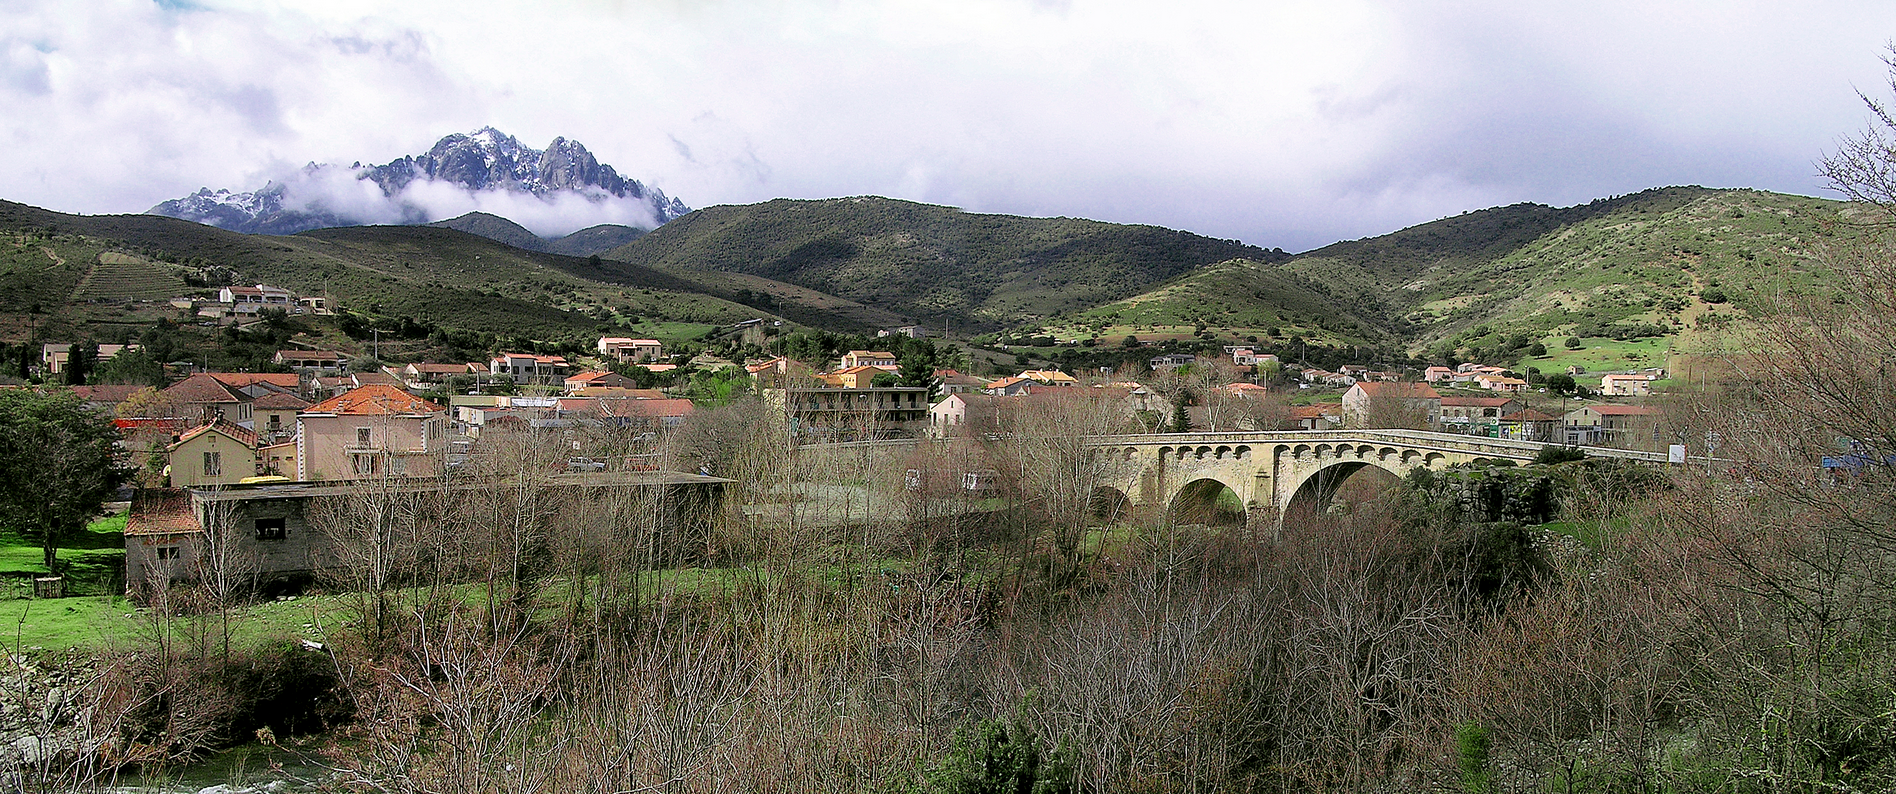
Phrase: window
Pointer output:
(362, 437)
(270, 529)
(398, 466)
(166, 552)
(364, 464)
(213, 464)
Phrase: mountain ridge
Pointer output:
(484, 165)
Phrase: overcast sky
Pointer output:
(1284, 124)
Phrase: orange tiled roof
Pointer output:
(375, 400)
(161, 511)
(241, 435)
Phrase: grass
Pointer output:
(93, 561)
(1598, 355)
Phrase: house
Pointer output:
(1008, 387)
(54, 355)
(1172, 361)
(639, 414)
(203, 398)
(843, 414)
(1313, 417)
(274, 530)
(598, 379)
(250, 300)
(107, 397)
(1392, 404)
(1050, 377)
(274, 416)
(1437, 374)
(1501, 383)
(629, 350)
(529, 368)
(1244, 390)
(869, 358)
(860, 377)
(1529, 425)
(962, 414)
(1246, 357)
(315, 362)
(253, 385)
(1638, 385)
(370, 431)
(217, 453)
(1622, 426)
(948, 381)
(422, 377)
(1476, 415)
(910, 331)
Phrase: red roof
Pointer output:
(161, 511)
(241, 435)
(310, 355)
(1529, 415)
(201, 388)
(280, 402)
(375, 400)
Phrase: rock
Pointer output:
(28, 749)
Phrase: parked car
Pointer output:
(585, 464)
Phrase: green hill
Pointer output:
(932, 263)
(448, 277)
(1674, 264)
(1234, 299)
(1655, 259)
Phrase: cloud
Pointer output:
(339, 191)
(1285, 123)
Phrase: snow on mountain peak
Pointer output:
(553, 191)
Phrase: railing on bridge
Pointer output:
(1411, 438)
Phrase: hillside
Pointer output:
(1656, 258)
(448, 277)
(585, 242)
(932, 263)
(1236, 298)
(1672, 264)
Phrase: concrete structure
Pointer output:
(1622, 426)
(1273, 473)
(270, 531)
(1479, 416)
(841, 413)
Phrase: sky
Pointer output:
(1282, 124)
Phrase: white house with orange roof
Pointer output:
(529, 368)
(369, 432)
(869, 358)
(631, 351)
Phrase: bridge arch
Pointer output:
(1319, 488)
(1108, 505)
(1206, 500)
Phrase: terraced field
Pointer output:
(122, 276)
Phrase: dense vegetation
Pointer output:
(979, 272)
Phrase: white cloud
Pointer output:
(1282, 123)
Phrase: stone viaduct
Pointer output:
(1272, 472)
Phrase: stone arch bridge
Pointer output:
(1271, 472)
